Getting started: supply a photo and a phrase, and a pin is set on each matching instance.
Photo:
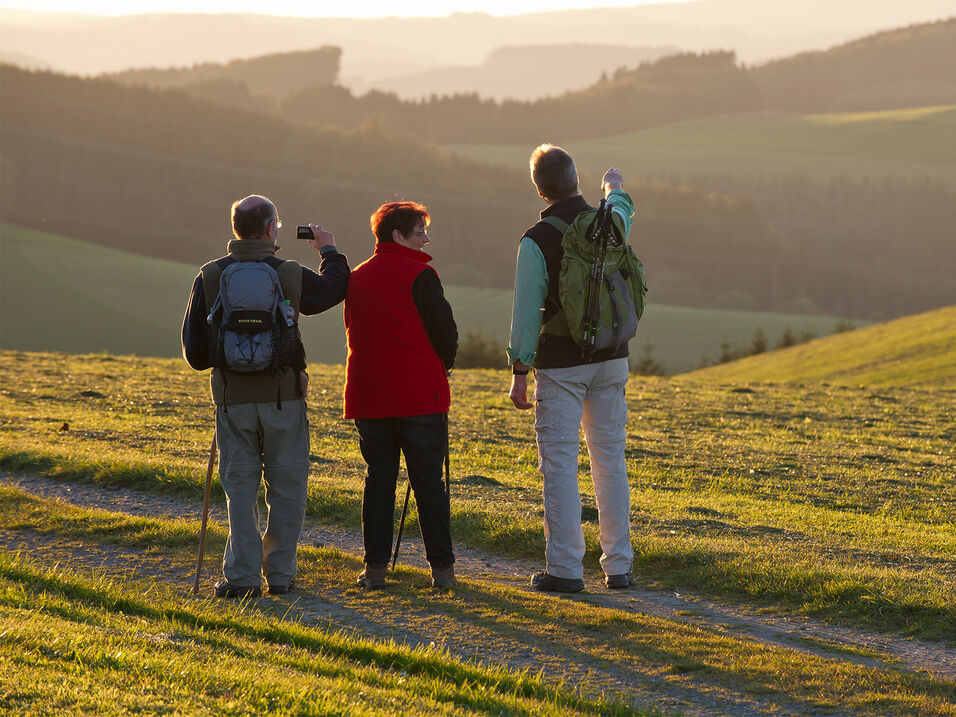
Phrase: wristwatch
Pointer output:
(518, 372)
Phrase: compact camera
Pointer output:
(303, 231)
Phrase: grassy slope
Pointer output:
(824, 500)
(910, 143)
(147, 625)
(101, 299)
(74, 641)
(911, 351)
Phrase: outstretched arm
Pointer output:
(325, 289)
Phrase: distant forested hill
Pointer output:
(247, 82)
(154, 172)
(670, 89)
(526, 72)
(907, 67)
(901, 68)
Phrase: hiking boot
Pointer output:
(373, 577)
(225, 589)
(618, 582)
(281, 588)
(545, 582)
(443, 576)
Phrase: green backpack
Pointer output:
(601, 285)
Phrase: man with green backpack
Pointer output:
(579, 292)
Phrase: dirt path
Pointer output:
(641, 689)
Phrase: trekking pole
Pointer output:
(447, 459)
(592, 305)
(205, 512)
(401, 524)
(408, 492)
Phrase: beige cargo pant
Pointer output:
(566, 399)
(260, 442)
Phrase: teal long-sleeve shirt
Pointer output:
(531, 287)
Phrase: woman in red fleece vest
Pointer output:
(402, 341)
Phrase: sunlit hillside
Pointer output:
(911, 351)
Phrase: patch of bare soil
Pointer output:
(325, 607)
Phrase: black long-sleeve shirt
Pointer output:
(429, 298)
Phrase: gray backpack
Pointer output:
(252, 325)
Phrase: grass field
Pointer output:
(831, 501)
(76, 643)
(99, 299)
(906, 144)
(912, 351)
(98, 633)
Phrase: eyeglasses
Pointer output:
(278, 223)
(423, 234)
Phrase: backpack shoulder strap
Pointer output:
(211, 273)
(290, 279)
(557, 223)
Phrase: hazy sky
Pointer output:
(368, 8)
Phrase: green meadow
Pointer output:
(912, 143)
(100, 299)
(912, 351)
(825, 499)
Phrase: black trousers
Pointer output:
(422, 440)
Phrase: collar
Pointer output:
(251, 249)
(390, 247)
(571, 204)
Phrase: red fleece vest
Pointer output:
(392, 369)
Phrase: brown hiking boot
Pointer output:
(373, 577)
(443, 576)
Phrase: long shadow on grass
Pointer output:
(814, 591)
(386, 656)
(608, 640)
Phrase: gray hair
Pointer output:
(251, 216)
(553, 172)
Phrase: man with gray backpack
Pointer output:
(579, 292)
(242, 321)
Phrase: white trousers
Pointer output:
(567, 399)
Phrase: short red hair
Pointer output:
(404, 216)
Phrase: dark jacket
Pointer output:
(402, 337)
(309, 292)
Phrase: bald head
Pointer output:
(251, 217)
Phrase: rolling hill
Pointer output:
(903, 143)
(97, 298)
(912, 351)
(514, 72)
(905, 67)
